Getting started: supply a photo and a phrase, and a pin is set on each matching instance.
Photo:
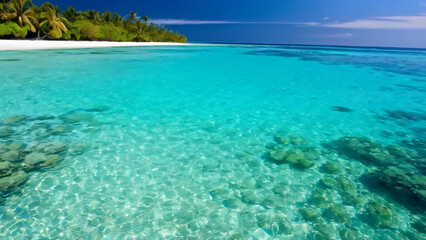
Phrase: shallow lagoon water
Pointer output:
(175, 142)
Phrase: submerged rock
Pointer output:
(309, 214)
(10, 156)
(219, 192)
(16, 157)
(98, 108)
(353, 199)
(341, 109)
(268, 202)
(325, 230)
(6, 169)
(305, 163)
(44, 117)
(298, 158)
(321, 198)
(405, 115)
(55, 147)
(35, 158)
(296, 140)
(372, 153)
(281, 189)
(331, 167)
(41, 127)
(14, 119)
(329, 182)
(6, 131)
(12, 181)
(381, 214)
(281, 140)
(366, 151)
(405, 185)
(46, 147)
(232, 203)
(249, 197)
(278, 155)
(58, 130)
(416, 144)
(76, 117)
(292, 150)
(51, 160)
(17, 146)
(338, 213)
(402, 153)
(346, 188)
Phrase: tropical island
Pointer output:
(21, 19)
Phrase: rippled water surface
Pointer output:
(213, 142)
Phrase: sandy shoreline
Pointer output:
(9, 45)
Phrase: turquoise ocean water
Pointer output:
(213, 142)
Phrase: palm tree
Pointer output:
(4, 7)
(46, 5)
(116, 19)
(96, 17)
(69, 13)
(85, 14)
(139, 29)
(132, 16)
(55, 24)
(127, 24)
(145, 18)
(17, 9)
(107, 16)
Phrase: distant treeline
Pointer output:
(23, 19)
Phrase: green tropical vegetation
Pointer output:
(23, 19)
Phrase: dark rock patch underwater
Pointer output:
(387, 63)
(10, 60)
(399, 172)
(30, 144)
(395, 177)
(341, 109)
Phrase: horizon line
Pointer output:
(313, 45)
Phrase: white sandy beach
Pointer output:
(8, 45)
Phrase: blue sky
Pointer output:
(397, 23)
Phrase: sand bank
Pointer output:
(7, 45)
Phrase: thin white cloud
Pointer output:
(205, 22)
(392, 22)
(326, 18)
(422, 4)
(339, 35)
